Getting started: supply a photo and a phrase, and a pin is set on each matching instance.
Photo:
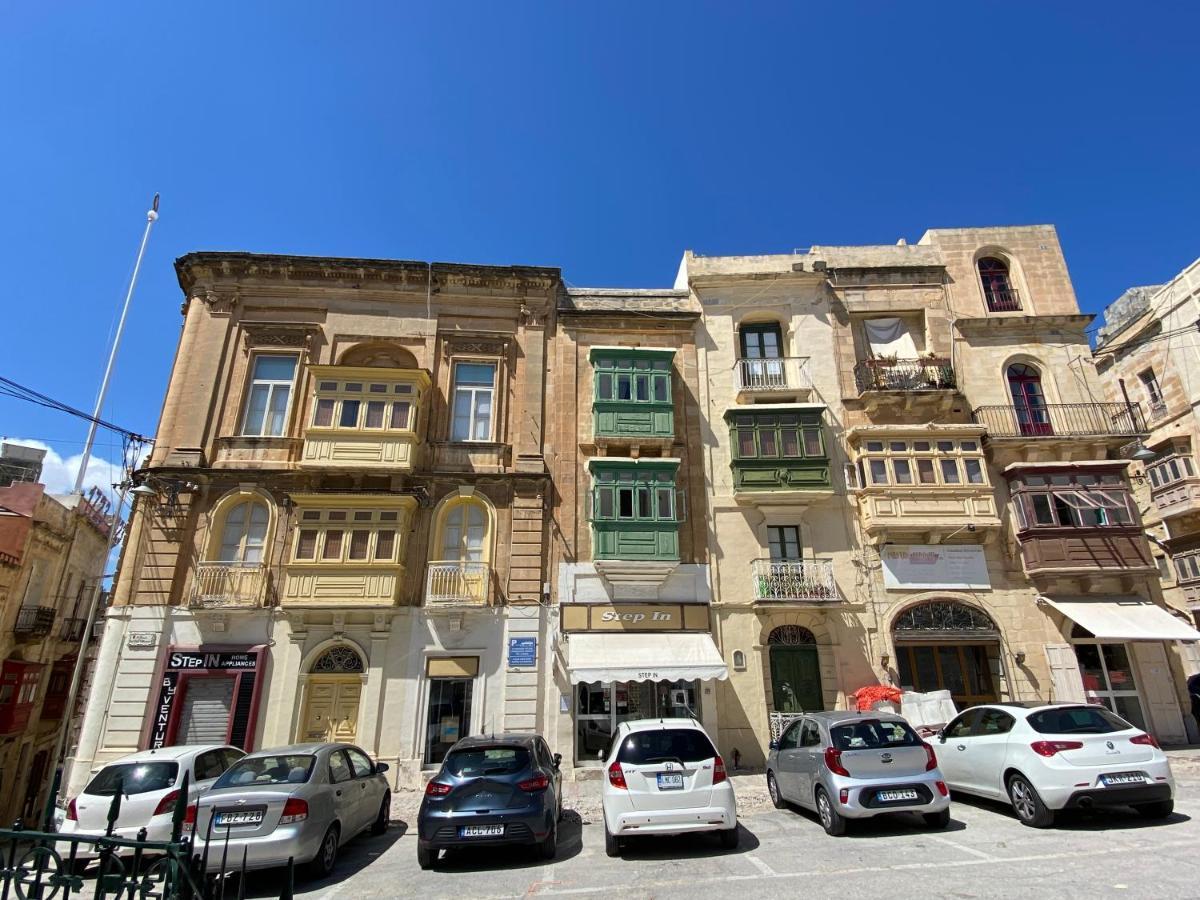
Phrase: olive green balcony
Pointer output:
(632, 398)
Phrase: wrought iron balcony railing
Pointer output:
(1003, 300)
(808, 580)
(1061, 420)
(787, 374)
(930, 373)
(455, 583)
(72, 628)
(34, 621)
(228, 584)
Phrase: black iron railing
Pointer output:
(34, 621)
(72, 628)
(932, 373)
(1003, 300)
(1061, 420)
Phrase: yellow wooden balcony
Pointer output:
(341, 585)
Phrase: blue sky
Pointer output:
(602, 138)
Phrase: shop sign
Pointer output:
(522, 651)
(173, 679)
(635, 617)
(198, 659)
(908, 567)
(142, 640)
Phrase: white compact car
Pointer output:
(664, 776)
(150, 783)
(1043, 759)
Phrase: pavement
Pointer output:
(985, 852)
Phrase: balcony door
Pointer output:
(795, 670)
(762, 350)
(1029, 402)
(784, 543)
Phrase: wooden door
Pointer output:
(1158, 692)
(331, 709)
(796, 678)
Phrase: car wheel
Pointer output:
(379, 826)
(777, 800)
(612, 843)
(549, 847)
(1160, 809)
(1027, 804)
(322, 864)
(426, 857)
(832, 821)
(937, 819)
(729, 837)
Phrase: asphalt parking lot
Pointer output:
(984, 853)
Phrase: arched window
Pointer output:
(791, 635)
(243, 533)
(460, 553)
(464, 533)
(1029, 401)
(997, 285)
(944, 619)
(339, 660)
(945, 645)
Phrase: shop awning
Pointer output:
(675, 656)
(1124, 618)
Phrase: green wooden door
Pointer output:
(796, 679)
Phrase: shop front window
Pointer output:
(601, 707)
(1109, 680)
(449, 716)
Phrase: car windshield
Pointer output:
(255, 771)
(475, 761)
(1077, 720)
(682, 745)
(134, 778)
(873, 734)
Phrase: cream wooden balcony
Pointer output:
(341, 584)
(793, 581)
(455, 583)
(329, 447)
(927, 513)
(787, 375)
(228, 584)
(1179, 498)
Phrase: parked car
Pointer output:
(855, 765)
(150, 782)
(1043, 759)
(498, 789)
(301, 802)
(664, 776)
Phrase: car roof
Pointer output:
(651, 724)
(833, 717)
(176, 752)
(493, 740)
(311, 747)
(1027, 707)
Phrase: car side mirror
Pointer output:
(557, 760)
(941, 736)
(774, 745)
(380, 768)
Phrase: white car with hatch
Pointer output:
(664, 776)
(1047, 758)
(150, 782)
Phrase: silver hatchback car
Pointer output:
(300, 802)
(855, 765)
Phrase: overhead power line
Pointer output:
(10, 388)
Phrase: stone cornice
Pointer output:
(979, 324)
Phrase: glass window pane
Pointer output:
(950, 471)
(1120, 671)
(661, 383)
(385, 544)
(812, 442)
(1090, 668)
(274, 368)
(666, 497)
(475, 373)
(969, 446)
(625, 502)
(642, 383)
(898, 446)
(323, 414)
(327, 386)
(349, 416)
(925, 471)
(974, 471)
(461, 429)
(624, 387)
(604, 387)
(643, 504)
(1042, 513)
(879, 471)
(902, 470)
(306, 544)
(378, 389)
(766, 442)
(256, 409)
(945, 446)
(359, 543)
(354, 387)
(333, 544)
(278, 409)
(791, 442)
(606, 502)
(400, 410)
(921, 446)
(483, 415)
(374, 418)
(874, 446)
(746, 443)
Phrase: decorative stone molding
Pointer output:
(279, 334)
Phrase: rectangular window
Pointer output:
(902, 470)
(783, 542)
(306, 544)
(950, 471)
(879, 471)
(812, 442)
(925, 472)
(385, 545)
(1150, 383)
(400, 414)
(974, 471)
(349, 417)
(323, 413)
(666, 503)
(360, 542)
(625, 503)
(374, 417)
(269, 396)
(333, 544)
(474, 390)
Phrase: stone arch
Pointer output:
(942, 642)
(340, 659)
(1016, 275)
(380, 354)
(791, 636)
(313, 655)
(220, 511)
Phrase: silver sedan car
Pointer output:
(300, 802)
(854, 765)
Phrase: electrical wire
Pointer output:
(10, 388)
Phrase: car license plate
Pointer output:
(891, 796)
(1123, 778)
(481, 831)
(227, 819)
(669, 781)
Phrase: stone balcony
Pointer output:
(926, 385)
(224, 585)
(1058, 432)
(787, 376)
(774, 581)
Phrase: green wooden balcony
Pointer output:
(635, 509)
(778, 447)
(632, 395)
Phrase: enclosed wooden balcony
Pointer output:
(776, 581)
(927, 514)
(228, 584)
(1084, 551)
(1178, 498)
(341, 585)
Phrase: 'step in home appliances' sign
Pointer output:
(909, 567)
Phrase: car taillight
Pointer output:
(436, 789)
(719, 771)
(942, 789)
(930, 758)
(167, 803)
(833, 761)
(538, 782)
(616, 777)
(1049, 748)
(189, 818)
(295, 810)
(72, 812)
(1147, 739)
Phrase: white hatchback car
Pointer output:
(664, 776)
(1043, 759)
(150, 784)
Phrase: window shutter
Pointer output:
(1066, 684)
(206, 708)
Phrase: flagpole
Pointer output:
(151, 217)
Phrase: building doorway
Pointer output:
(1108, 676)
(332, 696)
(601, 706)
(795, 670)
(944, 645)
(1029, 402)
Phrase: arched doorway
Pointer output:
(331, 700)
(795, 670)
(944, 645)
(1029, 402)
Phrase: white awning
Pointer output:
(1124, 618)
(664, 656)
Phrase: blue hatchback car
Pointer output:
(494, 789)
